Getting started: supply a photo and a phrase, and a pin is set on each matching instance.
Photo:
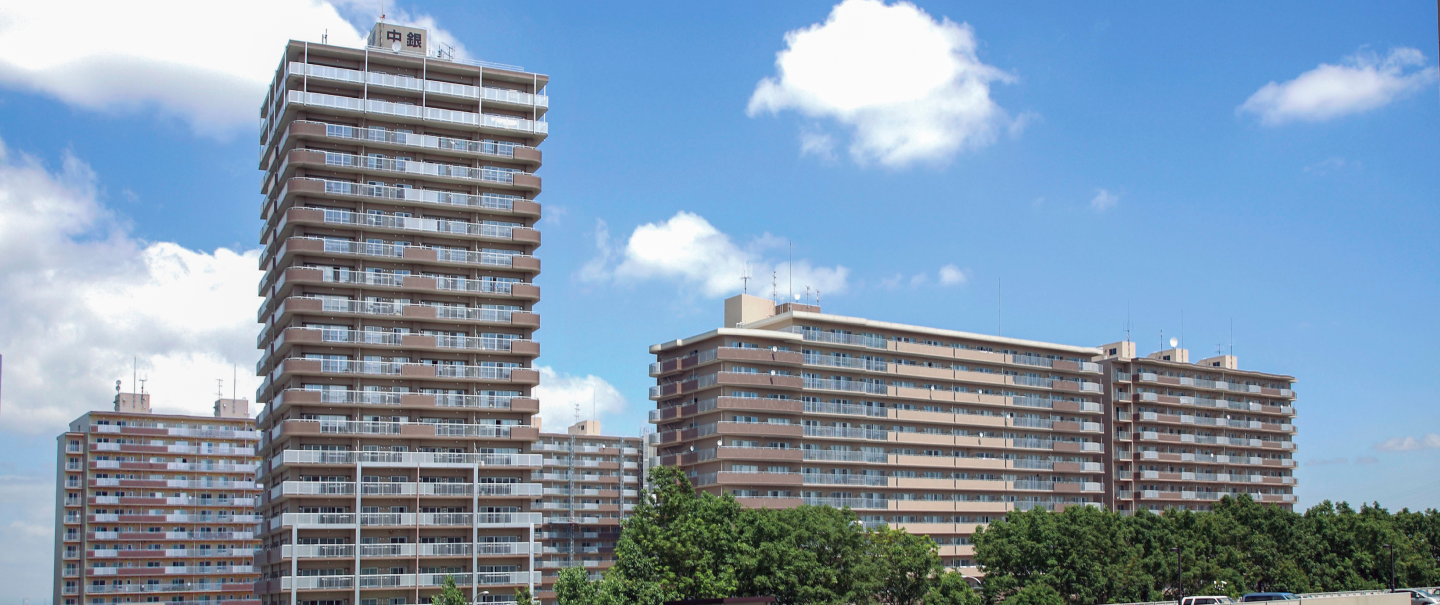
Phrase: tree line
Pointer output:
(683, 544)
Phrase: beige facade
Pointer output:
(936, 431)
(591, 482)
(152, 507)
(1186, 434)
(398, 322)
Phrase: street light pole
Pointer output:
(1179, 574)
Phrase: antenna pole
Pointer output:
(790, 268)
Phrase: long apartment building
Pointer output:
(1187, 434)
(397, 324)
(936, 431)
(153, 507)
(591, 483)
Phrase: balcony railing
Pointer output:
(855, 386)
(408, 459)
(365, 307)
(387, 368)
(864, 340)
(434, 114)
(469, 343)
(836, 361)
(502, 149)
(428, 225)
(502, 95)
(491, 258)
(485, 201)
(485, 175)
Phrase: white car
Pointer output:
(1206, 601)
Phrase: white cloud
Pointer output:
(910, 87)
(1331, 164)
(27, 527)
(918, 279)
(817, 144)
(950, 275)
(1328, 462)
(207, 63)
(559, 393)
(82, 298)
(689, 250)
(1430, 441)
(1104, 200)
(1362, 82)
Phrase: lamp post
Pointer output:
(1179, 574)
(1392, 565)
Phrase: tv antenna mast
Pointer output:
(745, 279)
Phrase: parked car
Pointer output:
(1269, 596)
(1419, 596)
(1202, 600)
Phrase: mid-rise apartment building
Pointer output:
(936, 431)
(591, 483)
(153, 507)
(940, 431)
(1187, 434)
(398, 322)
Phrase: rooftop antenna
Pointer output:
(790, 268)
(775, 286)
(219, 388)
(997, 306)
(234, 377)
(134, 371)
(1232, 336)
(807, 295)
(1162, 339)
(1182, 328)
(142, 387)
(325, 37)
(1127, 321)
(745, 279)
(817, 297)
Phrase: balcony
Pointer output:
(347, 520)
(489, 202)
(484, 402)
(485, 122)
(408, 83)
(419, 371)
(174, 466)
(159, 430)
(283, 252)
(393, 139)
(287, 339)
(517, 578)
(503, 178)
(402, 224)
(853, 386)
(347, 551)
(407, 459)
(347, 488)
(406, 429)
(409, 311)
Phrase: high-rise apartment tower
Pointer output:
(154, 507)
(398, 319)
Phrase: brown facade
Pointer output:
(155, 507)
(1187, 434)
(936, 431)
(397, 326)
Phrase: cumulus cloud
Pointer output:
(83, 298)
(1331, 164)
(1104, 200)
(688, 250)
(950, 275)
(559, 393)
(1430, 441)
(27, 526)
(909, 87)
(1362, 82)
(207, 63)
(818, 144)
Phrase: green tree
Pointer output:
(678, 544)
(1036, 593)
(808, 554)
(523, 597)
(449, 594)
(573, 587)
(904, 565)
(950, 588)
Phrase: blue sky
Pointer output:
(1314, 231)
